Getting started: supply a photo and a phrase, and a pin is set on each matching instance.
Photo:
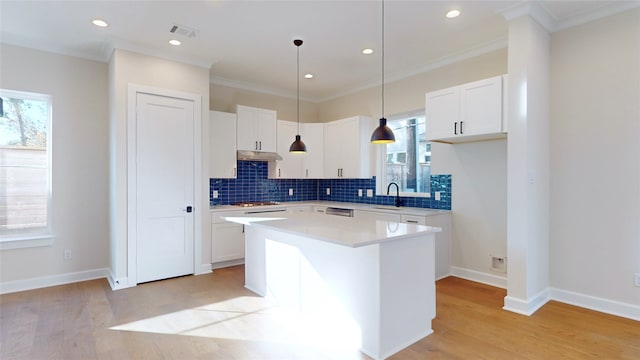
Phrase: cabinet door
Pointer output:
(332, 149)
(222, 145)
(247, 135)
(350, 150)
(290, 167)
(313, 160)
(443, 243)
(442, 113)
(376, 215)
(227, 242)
(267, 130)
(481, 109)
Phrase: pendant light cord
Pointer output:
(298, 89)
(383, 58)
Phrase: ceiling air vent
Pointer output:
(183, 31)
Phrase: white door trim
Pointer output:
(132, 241)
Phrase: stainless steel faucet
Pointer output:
(398, 201)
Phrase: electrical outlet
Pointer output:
(66, 254)
(290, 192)
(369, 193)
(437, 195)
(328, 191)
(637, 279)
(215, 194)
(360, 192)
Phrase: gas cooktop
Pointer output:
(256, 203)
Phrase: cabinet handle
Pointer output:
(455, 128)
(256, 145)
(279, 173)
(235, 172)
(412, 221)
(260, 142)
(461, 127)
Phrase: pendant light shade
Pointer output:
(382, 134)
(298, 147)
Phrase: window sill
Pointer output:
(26, 242)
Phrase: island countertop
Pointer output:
(344, 231)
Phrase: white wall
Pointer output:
(80, 172)
(131, 68)
(595, 159)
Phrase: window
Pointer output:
(408, 160)
(25, 186)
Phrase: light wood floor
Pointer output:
(213, 317)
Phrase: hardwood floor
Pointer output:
(213, 317)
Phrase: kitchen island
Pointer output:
(376, 277)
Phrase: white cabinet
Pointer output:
(222, 145)
(468, 112)
(443, 243)
(256, 129)
(313, 160)
(376, 215)
(290, 167)
(347, 148)
(227, 241)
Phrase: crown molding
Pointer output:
(137, 48)
(533, 10)
(600, 13)
(257, 88)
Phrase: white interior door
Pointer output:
(164, 187)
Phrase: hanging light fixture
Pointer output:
(382, 134)
(298, 147)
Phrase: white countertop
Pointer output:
(344, 231)
(355, 206)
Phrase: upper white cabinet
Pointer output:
(256, 129)
(222, 145)
(290, 167)
(313, 160)
(468, 112)
(347, 148)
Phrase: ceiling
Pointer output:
(249, 44)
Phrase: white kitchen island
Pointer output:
(374, 276)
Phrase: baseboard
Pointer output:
(607, 306)
(224, 264)
(477, 276)
(118, 283)
(52, 280)
(203, 269)
(526, 307)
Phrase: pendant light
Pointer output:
(382, 134)
(298, 147)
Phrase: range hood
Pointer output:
(258, 155)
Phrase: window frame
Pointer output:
(381, 161)
(42, 236)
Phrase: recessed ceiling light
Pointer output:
(308, 76)
(100, 23)
(174, 42)
(453, 13)
(367, 51)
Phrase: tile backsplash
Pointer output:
(253, 184)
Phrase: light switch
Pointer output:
(437, 196)
(369, 193)
(290, 192)
(328, 191)
(360, 192)
(215, 194)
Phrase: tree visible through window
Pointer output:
(408, 160)
(24, 164)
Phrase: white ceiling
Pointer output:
(249, 44)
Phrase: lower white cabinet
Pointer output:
(227, 240)
(376, 215)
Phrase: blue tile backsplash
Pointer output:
(253, 184)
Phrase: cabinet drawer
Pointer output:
(413, 219)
